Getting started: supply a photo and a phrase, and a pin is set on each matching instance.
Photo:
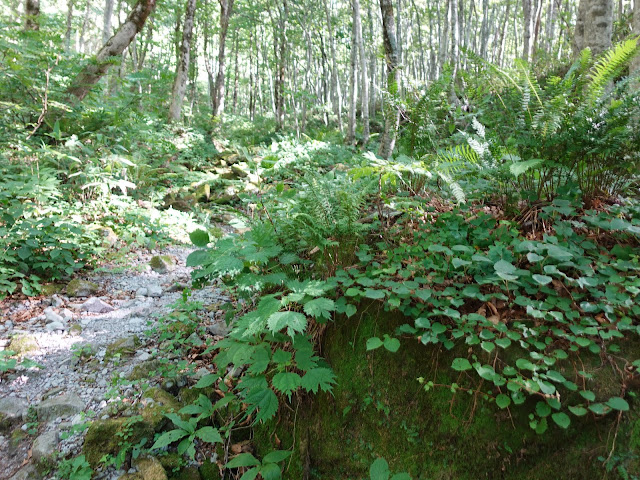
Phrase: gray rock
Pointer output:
(194, 340)
(219, 329)
(66, 314)
(12, 411)
(154, 291)
(53, 326)
(95, 305)
(62, 406)
(124, 346)
(162, 263)
(45, 446)
(56, 301)
(28, 472)
(141, 292)
(52, 316)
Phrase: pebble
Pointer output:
(55, 326)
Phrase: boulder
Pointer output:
(124, 347)
(106, 437)
(62, 406)
(44, 447)
(150, 469)
(53, 326)
(95, 305)
(156, 403)
(12, 411)
(28, 472)
(52, 316)
(81, 288)
(154, 291)
(22, 344)
(162, 263)
(143, 370)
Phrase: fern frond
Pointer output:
(609, 66)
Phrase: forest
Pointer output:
(334, 239)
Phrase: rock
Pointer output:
(22, 344)
(53, 326)
(28, 472)
(141, 292)
(81, 288)
(143, 370)
(62, 406)
(219, 329)
(162, 263)
(151, 469)
(124, 346)
(12, 411)
(131, 476)
(95, 305)
(194, 340)
(154, 291)
(56, 301)
(106, 436)
(45, 446)
(66, 314)
(75, 330)
(177, 287)
(143, 356)
(187, 473)
(240, 169)
(156, 403)
(109, 236)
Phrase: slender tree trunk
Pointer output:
(336, 100)
(69, 26)
(95, 70)
(526, 36)
(235, 75)
(536, 27)
(391, 111)
(108, 14)
(351, 130)
(226, 8)
(32, 15)
(503, 32)
(182, 69)
(635, 63)
(484, 29)
(372, 63)
(85, 24)
(364, 81)
(594, 26)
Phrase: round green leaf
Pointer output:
(618, 403)
(503, 401)
(199, 238)
(461, 364)
(561, 419)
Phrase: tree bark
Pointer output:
(594, 26)
(391, 111)
(351, 130)
(95, 70)
(526, 36)
(108, 14)
(182, 69)
(635, 63)
(67, 33)
(226, 8)
(32, 15)
(336, 99)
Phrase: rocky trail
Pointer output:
(83, 340)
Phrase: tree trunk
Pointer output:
(503, 31)
(526, 37)
(635, 63)
(235, 75)
(226, 7)
(594, 26)
(364, 81)
(83, 30)
(391, 111)
(32, 15)
(336, 101)
(182, 69)
(67, 33)
(95, 70)
(351, 130)
(108, 14)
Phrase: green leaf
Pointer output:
(168, 438)
(588, 395)
(505, 270)
(208, 380)
(578, 411)
(542, 279)
(488, 346)
(276, 456)
(391, 344)
(270, 471)
(179, 422)
(518, 168)
(286, 382)
(199, 238)
(350, 310)
(379, 470)
(209, 435)
(318, 378)
(461, 364)
(250, 474)
(458, 262)
(243, 460)
(264, 400)
(618, 403)
(503, 401)
(373, 343)
(543, 409)
(561, 419)
(374, 294)
(320, 308)
(292, 321)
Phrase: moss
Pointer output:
(151, 469)
(81, 288)
(106, 436)
(171, 461)
(123, 347)
(210, 471)
(188, 395)
(17, 436)
(143, 370)
(51, 289)
(75, 330)
(379, 409)
(162, 403)
(187, 473)
(22, 344)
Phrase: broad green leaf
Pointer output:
(391, 344)
(199, 238)
(618, 403)
(401, 476)
(578, 411)
(208, 380)
(374, 294)
(503, 401)
(542, 279)
(168, 438)
(461, 364)
(209, 434)
(373, 343)
(264, 400)
(561, 419)
(379, 470)
(292, 321)
(270, 471)
(243, 460)
(286, 382)
(318, 378)
(276, 456)
(320, 308)
(250, 474)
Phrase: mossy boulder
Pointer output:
(144, 370)
(162, 263)
(106, 436)
(210, 471)
(172, 462)
(22, 344)
(151, 469)
(124, 347)
(189, 395)
(187, 473)
(51, 289)
(81, 288)
(156, 403)
(75, 330)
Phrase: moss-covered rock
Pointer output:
(210, 471)
(189, 395)
(124, 347)
(50, 289)
(156, 403)
(203, 192)
(162, 263)
(379, 409)
(144, 370)
(172, 462)
(151, 469)
(131, 476)
(187, 473)
(81, 288)
(75, 330)
(22, 344)
(106, 436)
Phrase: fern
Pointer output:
(609, 66)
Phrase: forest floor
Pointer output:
(83, 344)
